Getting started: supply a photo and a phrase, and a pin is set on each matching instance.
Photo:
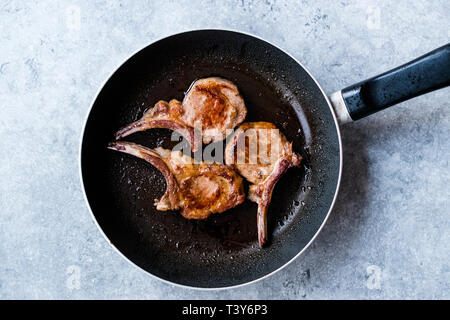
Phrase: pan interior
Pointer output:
(222, 250)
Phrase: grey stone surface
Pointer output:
(392, 214)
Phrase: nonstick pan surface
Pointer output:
(223, 250)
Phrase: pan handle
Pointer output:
(424, 74)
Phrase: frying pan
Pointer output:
(222, 251)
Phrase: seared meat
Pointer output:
(211, 104)
(197, 189)
(216, 105)
(261, 154)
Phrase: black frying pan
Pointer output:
(222, 251)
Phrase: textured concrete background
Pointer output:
(388, 236)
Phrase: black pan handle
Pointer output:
(424, 74)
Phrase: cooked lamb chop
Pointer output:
(211, 105)
(261, 154)
(197, 189)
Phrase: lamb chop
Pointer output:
(197, 189)
(211, 105)
(260, 153)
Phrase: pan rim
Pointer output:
(80, 171)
